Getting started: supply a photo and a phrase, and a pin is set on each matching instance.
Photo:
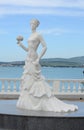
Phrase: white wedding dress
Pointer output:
(36, 93)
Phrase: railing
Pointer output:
(9, 87)
(62, 88)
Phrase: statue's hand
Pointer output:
(18, 42)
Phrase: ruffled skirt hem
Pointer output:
(44, 103)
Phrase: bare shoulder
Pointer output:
(39, 36)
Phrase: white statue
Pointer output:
(36, 93)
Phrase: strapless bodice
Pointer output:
(33, 42)
(32, 54)
(32, 47)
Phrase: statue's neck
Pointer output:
(33, 31)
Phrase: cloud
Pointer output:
(55, 31)
(40, 11)
(45, 3)
(60, 31)
(51, 7)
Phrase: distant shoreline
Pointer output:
(43, 66)
(52, 62)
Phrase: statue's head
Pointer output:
(35, 21)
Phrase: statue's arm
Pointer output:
(22, 46)
(44, 47)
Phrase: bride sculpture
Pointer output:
(36, 93)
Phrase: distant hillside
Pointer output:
(65, 62)
(73, 59)
(54, 62)
(13, 63)
(77, 59)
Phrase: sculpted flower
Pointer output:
(19, 38)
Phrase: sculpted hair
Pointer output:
(36, 21)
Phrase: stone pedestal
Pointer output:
(12, 118)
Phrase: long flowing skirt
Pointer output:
(36, 94)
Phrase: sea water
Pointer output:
(48, 72)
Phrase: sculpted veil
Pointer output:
(36, 94)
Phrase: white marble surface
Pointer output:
(36, 94)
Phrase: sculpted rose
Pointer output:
(19, 38)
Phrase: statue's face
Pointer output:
(33, 25)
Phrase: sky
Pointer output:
(61, 25)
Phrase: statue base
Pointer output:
(18, 119)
